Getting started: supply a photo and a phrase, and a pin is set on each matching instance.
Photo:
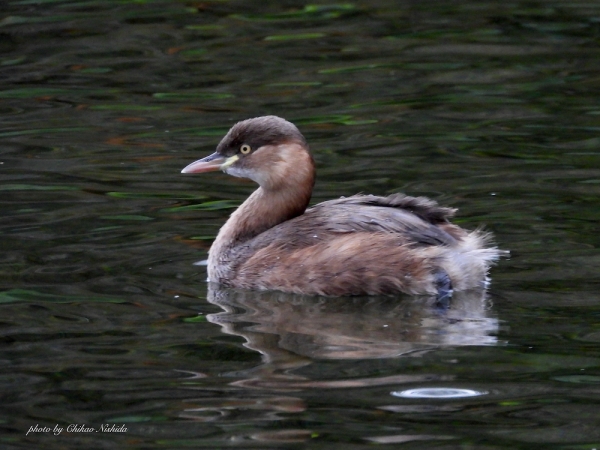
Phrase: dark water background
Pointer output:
(492, 107)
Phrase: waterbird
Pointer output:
(358, 245)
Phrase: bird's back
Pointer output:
(363, 245)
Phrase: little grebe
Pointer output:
(360, 245)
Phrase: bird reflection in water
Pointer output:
(290, 330)
(295, 333)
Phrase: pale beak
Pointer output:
(210, 163)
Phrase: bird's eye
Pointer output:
(245, 149)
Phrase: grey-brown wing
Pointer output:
(415, 221)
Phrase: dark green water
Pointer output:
(491, 107)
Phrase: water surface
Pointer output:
(490, 107)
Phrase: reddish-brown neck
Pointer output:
(284, 193)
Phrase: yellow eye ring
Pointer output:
(245, 149)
